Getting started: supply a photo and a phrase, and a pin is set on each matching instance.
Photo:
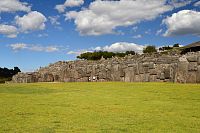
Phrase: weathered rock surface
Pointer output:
(139, 68)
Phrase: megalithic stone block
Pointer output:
(182, 70)
(198, 74)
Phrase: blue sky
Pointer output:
(34, 33)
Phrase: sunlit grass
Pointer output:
(100, 107)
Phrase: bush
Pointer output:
(176, 45)
(149, 49)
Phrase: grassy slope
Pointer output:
(100, 107)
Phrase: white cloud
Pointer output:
(116, 47)
(51, 49)
(122, 47)
(78, 52)
(182, 23)
(179, 3)
(32, 21)
(8, 30)
(18, 46)
(137, 36)
(31, 47)
(69, 3)
(197, 3)
(103, 17)
(158, 32)
(54, 20)
(13, 6)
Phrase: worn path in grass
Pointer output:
(99, 107)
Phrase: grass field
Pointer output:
(100, 107)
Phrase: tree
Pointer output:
(165, 48)
(6, 74)
(16, 70)
(130, 52)
(176, 45)
(149, 49)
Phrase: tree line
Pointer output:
(97, 55)
(6, 74)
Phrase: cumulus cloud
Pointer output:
(69, 3)
(182, 23)
(32, 21)
(197, 4)
(122, 47)
(13, 6)
(31, 47)
(116, 47)
(8, 30)
(103, 17)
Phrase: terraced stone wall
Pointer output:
(139, 68)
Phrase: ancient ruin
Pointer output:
(137, 68)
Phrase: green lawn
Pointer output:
(100, 107)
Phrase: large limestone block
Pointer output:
(151, 65)
(89, 69)
(192, 58)
(198, 74)
(57, 78)
(192, 77)
(145, 64)
(140, 68)
(115, 72)
(138, 78)
(192, 66)
(48, 77)
(167, 74)
(136, 69)
(146, 69)
(198, 60)
(162, 76)
(152, 78)
(102, 74)
(129, 74)
(108, 75)
(146, 77)
(153, 72)
(82, 71)
(182, 72)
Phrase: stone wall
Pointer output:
(139, 68)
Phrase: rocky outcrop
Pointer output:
(138, 68)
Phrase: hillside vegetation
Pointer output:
(100, 107)
(97, 55)
(6, 74)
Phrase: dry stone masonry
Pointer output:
(138, 68)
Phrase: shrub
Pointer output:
(149, 49)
